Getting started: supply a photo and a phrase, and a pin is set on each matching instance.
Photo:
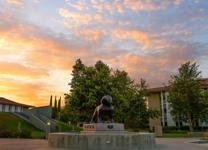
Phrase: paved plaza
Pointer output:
(162, 144)
(179, 144)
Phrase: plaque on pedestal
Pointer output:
(103, 127)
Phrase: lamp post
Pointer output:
(48, 129)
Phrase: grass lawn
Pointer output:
(175, 134)
(63, 127)
(8, 121)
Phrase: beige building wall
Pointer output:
(154, 103)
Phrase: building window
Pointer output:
(177, 124)
(15, 108)
(165, 110)
(166, 124)
(164, 106)
(3, 108)
(164, 96)
(10, 108)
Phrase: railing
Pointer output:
(27, 116)
(47, 120)
(38, 120)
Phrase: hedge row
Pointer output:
(15, 134)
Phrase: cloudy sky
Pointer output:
(41, 39)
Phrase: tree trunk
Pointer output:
(190, 123)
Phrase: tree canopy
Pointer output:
(90, 83)
(186, 97)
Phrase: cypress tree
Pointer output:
(55, 104)
(59, 105)
(51, 101)
(55, 109)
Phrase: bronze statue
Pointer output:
(104, 110)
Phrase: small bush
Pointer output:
(7, 134)
(63, 127)
(205, 135)
(15, 134)
(174, 129)
(25, 133)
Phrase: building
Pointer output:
(11, 106)
(159, 100)
(40, 117)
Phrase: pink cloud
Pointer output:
(15, 2)
(137, 5)
(140, 37)
(93, 35)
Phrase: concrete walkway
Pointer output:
(162, 144)
(179, 144)
(23, 144)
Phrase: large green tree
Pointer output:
(204, 103)
(122, 92)
(185, 94)
(90, 83)
(139, 114)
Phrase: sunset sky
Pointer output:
(41, 39)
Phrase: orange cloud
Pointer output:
(28, 78)
(74, 19)
(120, 6)
(36, 94)
(155, 69)
(90, 34)
(113, 6)
(39, 48)
(140, 37)
(98, 18)
(140, 5)
(27, 93)
(80, 5)
(137, 5)
(67, 14)
(15, 2)
(14, 69)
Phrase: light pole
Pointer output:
(48, 130)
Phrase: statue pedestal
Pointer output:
(102, 136)
(95, 127)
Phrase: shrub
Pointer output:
(15, 134)
(7, 134)
(205, 135)
(25, 133)
(174, 128)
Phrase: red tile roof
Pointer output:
(158, 89)
(9, 102)
(203, 81)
